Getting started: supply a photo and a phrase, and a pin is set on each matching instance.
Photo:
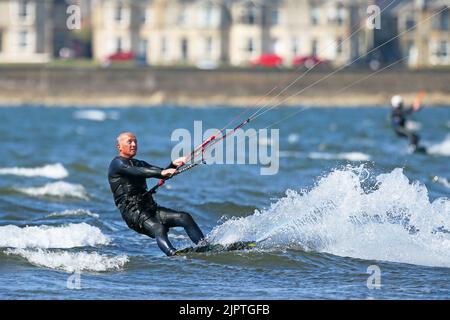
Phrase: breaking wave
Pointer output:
(44, 236)
(352, 213)
(71, 261)
(52, 171)
(58, 189)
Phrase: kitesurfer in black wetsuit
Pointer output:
(399, 116)
(127, 179)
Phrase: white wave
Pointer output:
(293, 138)
(52, 171)
(442, 181)
(76, 212)
(391, 220)
(71, 261)
(413, 125)
(59, 189)
(291, 154)
(96, 115)
(441, 149)
(351, 156)
(67, 236)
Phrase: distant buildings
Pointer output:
(424, 32)
(25, 31)
(230, 32)
(209, 33)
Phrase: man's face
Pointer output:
(127, 145)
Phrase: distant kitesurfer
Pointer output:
(399, 116)
(127, 179)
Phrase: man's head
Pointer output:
(397, 101)
(127, 144)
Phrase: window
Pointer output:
(444, 20)
(314, 15)
(340, 14)
(118, 14)
(410, 23)
(23, 39)
(163, 46)
(274, 17)
(143, 47)
(208, 15)
(182, 17)
(23, 9)
(184, 49)
(147, 16)
(314, 47)
(409, 47)
(339, 48)
(295, 46)
(443, 49)
(250, 45)
(208, 46)
(119, 44)
(249, 16)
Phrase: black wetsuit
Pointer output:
(127, 179)
(398, 119)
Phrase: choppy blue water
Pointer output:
(349, 203)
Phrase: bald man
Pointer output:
(127, 179)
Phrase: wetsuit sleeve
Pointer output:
(408, 111)
(144, 171)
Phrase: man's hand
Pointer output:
(179, 162)
(167, 173)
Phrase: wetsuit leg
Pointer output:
(154, 229)
(172, 218)
(412, 137)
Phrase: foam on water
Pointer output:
(441, 149)
(43, 236)
(350, 213)
(58, 189)
(351, 156)
(293, 138)
(52, 171)
(71, 261)
(442, 181)
(413, 125)
(96, 115)
(76, 212)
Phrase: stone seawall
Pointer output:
(147, 87)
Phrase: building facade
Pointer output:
(25, 31)
(424, 32)
(230, 32)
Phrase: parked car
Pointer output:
(121, 56)
(267, 60)
(307, 61)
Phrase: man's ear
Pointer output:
(118, 147)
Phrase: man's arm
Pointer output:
(145, 171)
